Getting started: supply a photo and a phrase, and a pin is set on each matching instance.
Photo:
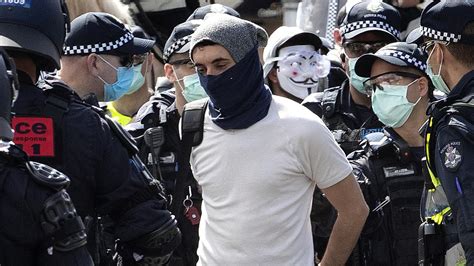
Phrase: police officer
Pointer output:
(389, 168)
(39, 224)
(55, 126)
(158, 120)
(367, 27)
(126, 107)
(448, 30)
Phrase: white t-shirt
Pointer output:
(257, 186)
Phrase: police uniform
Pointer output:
(449, 139)
(55, 126)
(391, 179)
(348, 121)
(161, 115)
(39, 224)
(390, 174)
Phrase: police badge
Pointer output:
(451, 155)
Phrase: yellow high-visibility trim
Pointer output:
(438, 218)
(122, 119)
(434, 179)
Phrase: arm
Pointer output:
(347, 198)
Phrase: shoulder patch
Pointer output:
(47, 176)
(451, 155)
(35, 135)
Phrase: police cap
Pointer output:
(35, 27)
(373, 15)
(102, 33)
(399, 53)
(445, 21)
(180, 39)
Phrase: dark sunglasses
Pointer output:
(133, 60)
(356, 49)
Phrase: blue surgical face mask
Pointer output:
(356, 81)
(193, 90)
(129, 80)
(391, 105)
(437, 79)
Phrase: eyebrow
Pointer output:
(217, 60)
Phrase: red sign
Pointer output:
(35, 135)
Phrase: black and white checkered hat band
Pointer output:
(98, 47)
(439, 35)
(369, 24)
(407, 58)
(176, 46)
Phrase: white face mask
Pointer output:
(300, 68)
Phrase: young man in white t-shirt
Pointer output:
(260, 159)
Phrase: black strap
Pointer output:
(124, 137)
(192, 127)
(329, 102)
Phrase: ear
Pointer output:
(169, 72)
(423, 84)
(272, 76)
(92, 64)
(337, 36)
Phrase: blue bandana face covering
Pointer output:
(238, 97)
(128, 81)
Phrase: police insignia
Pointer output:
(451, 154)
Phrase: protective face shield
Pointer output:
(300, 68)
(129, 80)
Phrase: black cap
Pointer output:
(35, 27)
(373, 15)
(446, 20)
(398, 53)
(180, 39)
(139, 32)
(102, 33)
(201, 12)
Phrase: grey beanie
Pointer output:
(237, 35)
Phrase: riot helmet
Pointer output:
(8, 83)
(36, 28)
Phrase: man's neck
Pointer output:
(457, 72)
(410, 130)
(359, 98)
(128, 105)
